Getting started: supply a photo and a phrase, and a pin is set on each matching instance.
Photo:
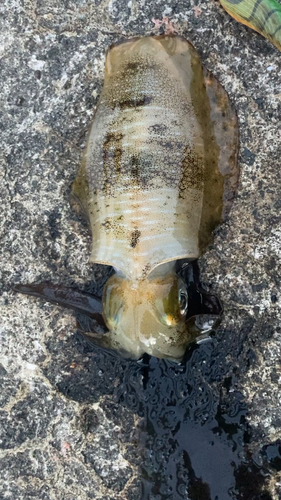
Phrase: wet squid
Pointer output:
(158, 175)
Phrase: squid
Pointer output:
(159, 174)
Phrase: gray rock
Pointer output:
(71, 417)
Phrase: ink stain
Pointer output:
(272, 453)
(193, 436)
(197, 449)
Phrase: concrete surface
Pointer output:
(67, 440)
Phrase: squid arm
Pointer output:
(201, 302)
(88, 306)
(81, 302)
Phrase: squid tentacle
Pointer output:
(81, 302)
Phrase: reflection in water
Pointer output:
(193, 434)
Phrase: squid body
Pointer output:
(159, 173)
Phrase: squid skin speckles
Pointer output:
(263, 16)
(158, 175)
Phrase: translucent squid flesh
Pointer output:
(158, 175)
(263, 16)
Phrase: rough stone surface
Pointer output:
(70, 415)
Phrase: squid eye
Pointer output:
(171, 301)
(183, 301)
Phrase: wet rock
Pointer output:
(81, 423)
